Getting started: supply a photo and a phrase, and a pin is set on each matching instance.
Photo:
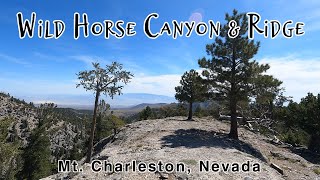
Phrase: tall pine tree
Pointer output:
(191, 90)
(37, 155)
(230, 70)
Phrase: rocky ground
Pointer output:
(24, 116)
(176, 140)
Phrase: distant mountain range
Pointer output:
(128, 100)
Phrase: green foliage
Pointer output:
(192, 89)
(14, 157)
(36, 157)
(230, 71)
(198, 112)
(305, 116)
(9, 151)
(206, 111)
(109, 81)
(179, 109)
(106, 80)
(9, 154)
(171, 111)
(79, 118)
(267, 94)
(46, 113)
(4, 125)
(101, 132)
(289, 115)
(266, 88)
(310, 113)
(146, 113)
(190, 162)
(107, 124)
(317, 171)
(77, 152)
(295, 137)
(116, 123)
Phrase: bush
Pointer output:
(295, 137)
(146, 113)
(199, 112)
(314, 143)
(317, 171)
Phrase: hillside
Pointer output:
(23, 117)
(178, 141)
(63, 128)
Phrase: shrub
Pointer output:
(296, 137)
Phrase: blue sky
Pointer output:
(38, 69)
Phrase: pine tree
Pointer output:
(230, 70)
(106, 81)
(308, 114)
(146, 113)
(36, 156)
(116, 123)
(267, 93)
(191, 90)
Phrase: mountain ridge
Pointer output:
(176, 140)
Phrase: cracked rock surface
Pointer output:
(176, 140)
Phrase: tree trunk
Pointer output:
(234, 122)
(114, 131)
(190, 112)
(233, 101)
(270, 109)
(93, 127)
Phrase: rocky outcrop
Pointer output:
(64, 137)
(176, 141)
(23, 115)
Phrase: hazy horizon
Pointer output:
(87, 100)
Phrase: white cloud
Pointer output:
(13, 59)
(160, 84)
(39, 87)
(141, 83)
(299, 75)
